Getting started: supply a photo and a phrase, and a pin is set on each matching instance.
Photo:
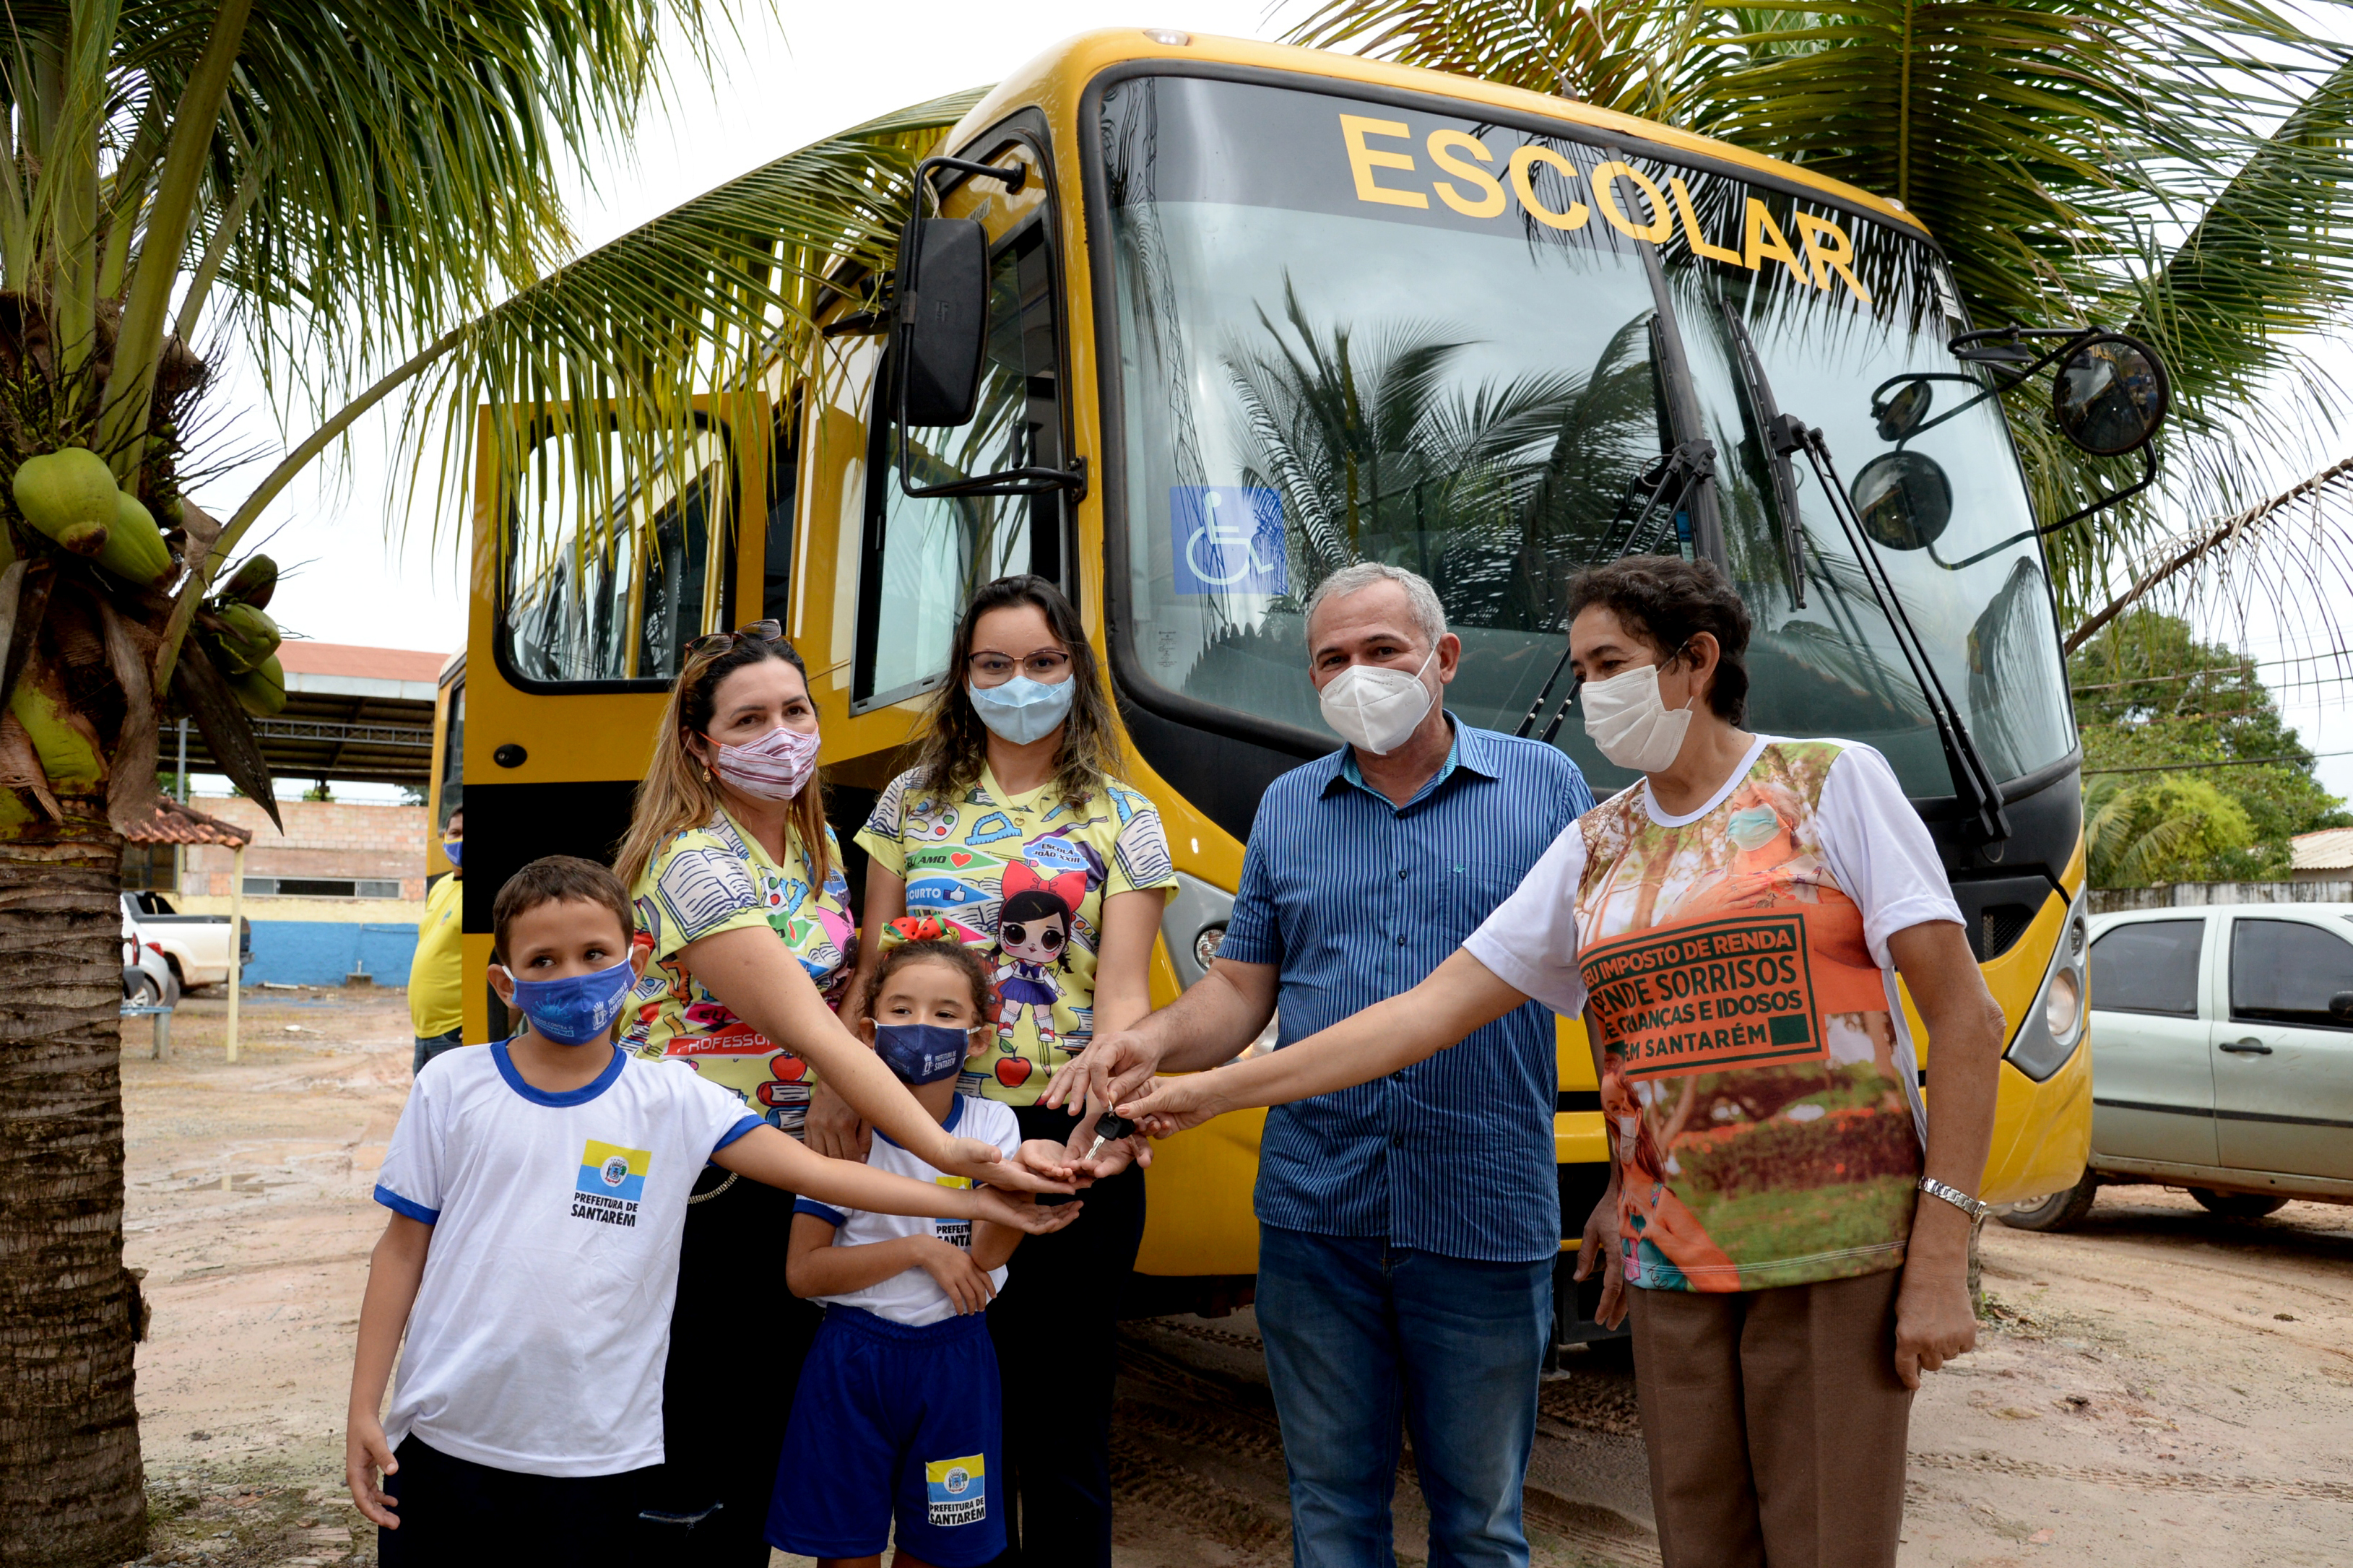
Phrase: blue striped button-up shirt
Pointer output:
(1355, 901)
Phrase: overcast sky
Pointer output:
(357, 571)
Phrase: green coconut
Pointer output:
(134, 549)
(70, 758)
(252, 583)
(262, 689)
(69, 495)
(246, 637)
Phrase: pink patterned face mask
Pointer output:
(774, 767)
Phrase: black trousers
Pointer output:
(737, 1338)
(454, 1513)
(1055, 1324)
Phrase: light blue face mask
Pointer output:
(1022, 709)
(1752, 829)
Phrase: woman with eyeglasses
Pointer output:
(739, 893)
(1013, 834)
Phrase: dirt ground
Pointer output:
(2159, 1387)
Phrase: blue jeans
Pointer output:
(1362, 1338)
(431, 1045)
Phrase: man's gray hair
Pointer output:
(1422, 599)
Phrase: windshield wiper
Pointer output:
(1784, 434)
(1768, 421)
(1670, 480)
(1974, 779)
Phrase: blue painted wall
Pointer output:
(320, 952)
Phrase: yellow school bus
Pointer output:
(1246, 312)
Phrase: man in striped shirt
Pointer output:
(1408, 1225)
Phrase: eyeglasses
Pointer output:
(713, 644)
(1015, 932)
(1047, 664)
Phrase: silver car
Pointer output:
(2223, 1057)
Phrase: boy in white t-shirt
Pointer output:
(538, 1190)
(898, 1412)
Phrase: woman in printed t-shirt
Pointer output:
(1011, 835)
(739, 896)
(1731, 929)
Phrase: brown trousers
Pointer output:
(1776, 1424)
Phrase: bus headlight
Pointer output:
(2054, 1026)
(2062, 1005)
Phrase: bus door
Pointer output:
(580, 620)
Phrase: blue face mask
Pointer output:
(1753, 829)
(454, 849)
(1022, 709)
(920, 1053)
(579, 1009)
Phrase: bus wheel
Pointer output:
(2237, 1206)
(2061, 1210)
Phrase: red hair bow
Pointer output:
(920, 928)
(1071, 887)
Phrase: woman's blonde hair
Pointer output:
(679, 794)
(955, 742)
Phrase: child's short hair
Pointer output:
(558, 879)
(955, 954)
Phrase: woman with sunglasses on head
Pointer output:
(1012, 835)
(738, 890)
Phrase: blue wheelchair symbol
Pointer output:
(1228, 539)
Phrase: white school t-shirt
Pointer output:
(539, 1332)
(911, 1295)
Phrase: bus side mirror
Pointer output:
(2110, 395)
(943, 325)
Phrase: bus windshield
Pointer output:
(1350, 331)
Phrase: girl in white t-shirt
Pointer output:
(898, 1411)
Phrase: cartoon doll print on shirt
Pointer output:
(1033, 934)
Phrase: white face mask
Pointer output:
(1633, 728)
(1375, 708)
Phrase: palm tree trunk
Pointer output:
(71, 1492)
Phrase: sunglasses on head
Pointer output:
(713, 643)
(1018, 934)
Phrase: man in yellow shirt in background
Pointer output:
(437, 1009)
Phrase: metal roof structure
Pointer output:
(362, 714)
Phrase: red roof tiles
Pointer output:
(178, 823)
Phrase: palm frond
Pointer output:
(2184, 172)
(693, 306)
(1606, 52)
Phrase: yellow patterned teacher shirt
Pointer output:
(715, 878)
(1024, 878)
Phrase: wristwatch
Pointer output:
(1955, 1196)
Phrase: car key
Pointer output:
(1108, 1126)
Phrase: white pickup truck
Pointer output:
(196, 946)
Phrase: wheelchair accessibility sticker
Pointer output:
(1228, 539)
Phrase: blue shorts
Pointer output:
(894, 1421)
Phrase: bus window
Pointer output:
(1304, 386)
(612, 596)
(453, 754)
(923, 557)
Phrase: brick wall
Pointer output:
(323, 838)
